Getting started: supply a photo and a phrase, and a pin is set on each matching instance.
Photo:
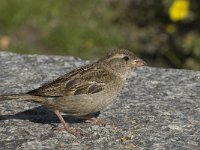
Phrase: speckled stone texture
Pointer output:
(157, 109)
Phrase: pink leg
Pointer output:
(65, 125)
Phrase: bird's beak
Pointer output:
(138, 62)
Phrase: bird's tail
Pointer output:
(22, 97)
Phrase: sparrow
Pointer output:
(86, 90)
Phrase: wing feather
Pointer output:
(86, 80)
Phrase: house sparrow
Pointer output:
(85, 90)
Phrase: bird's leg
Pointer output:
(96, 121)
(65, 125)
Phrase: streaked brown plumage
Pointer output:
(86, 90)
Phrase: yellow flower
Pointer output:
(179, 10)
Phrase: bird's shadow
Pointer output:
(42, 115)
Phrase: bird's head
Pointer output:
(121, 61)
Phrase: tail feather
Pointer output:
(22, 97)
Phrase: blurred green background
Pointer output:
(165, 33)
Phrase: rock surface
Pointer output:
(157, 109)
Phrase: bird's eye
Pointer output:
(126, 58)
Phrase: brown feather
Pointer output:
(86, 80)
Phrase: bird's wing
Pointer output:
(86, 80)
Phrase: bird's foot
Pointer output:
(74, 131)
(71, 130)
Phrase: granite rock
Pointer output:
(157, 109)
